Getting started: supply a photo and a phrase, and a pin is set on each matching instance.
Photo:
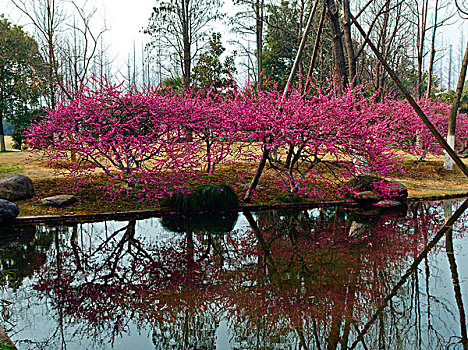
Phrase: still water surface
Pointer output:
(326, 278)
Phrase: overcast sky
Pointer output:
(124, 19)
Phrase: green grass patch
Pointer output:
(8, 169)
(289, 198)
(6, 347)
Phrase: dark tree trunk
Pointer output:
(432, 57)
(421, 40)
(299, 51)
(340, 63)
(258, 174)
(2, 134)
(316, 47)
(259, 39)
(349, 41)
(187, 65)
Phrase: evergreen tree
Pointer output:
(210, 71)
(22, 74)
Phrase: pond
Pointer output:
(323, 278)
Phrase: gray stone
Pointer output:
(8, 210)
(60, 201)
(16, 187)
(386, 203)
(399, 191)
(367, 197)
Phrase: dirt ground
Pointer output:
(25, 163)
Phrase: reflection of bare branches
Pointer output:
(462, 8)
(294, 278)
(456, 287)
(448, 226)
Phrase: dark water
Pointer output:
(315, 279)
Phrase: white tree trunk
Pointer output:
(448, 209)
(448, 162)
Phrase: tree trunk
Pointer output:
(316, 47)
(432, 57)
(258, 173)
(52, 62)
(2, 134)
(259, 39)
(382, 46)
(420, 45)
(349, 41)
(452, 123)
(186, 42)
(340, 63)
(299, 51)
(51, 78)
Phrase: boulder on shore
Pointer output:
(399, 192)
(371, 189)
(8, 210)
(367, 197)
(16, 187)
(387, 203)
(60, 201)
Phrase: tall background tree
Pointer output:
(23, 74)
(68, 40)
(248, 24)
(210, 71)
(182, 27)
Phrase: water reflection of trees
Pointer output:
(22, 251)
(294, 279)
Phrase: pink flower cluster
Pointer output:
(153, 137)
(407, 132)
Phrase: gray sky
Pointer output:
(124, 19)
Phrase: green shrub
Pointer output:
(363, 182)
(204, 198)
(289, 197)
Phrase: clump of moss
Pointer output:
(360, 183)
(289, 197)
(204, 198)
(363, 183)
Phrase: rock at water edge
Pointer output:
(366, 197)
(386, 203)
(398, 191)
(8, 210)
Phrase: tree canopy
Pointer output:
(22, 72)
(209, 70)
